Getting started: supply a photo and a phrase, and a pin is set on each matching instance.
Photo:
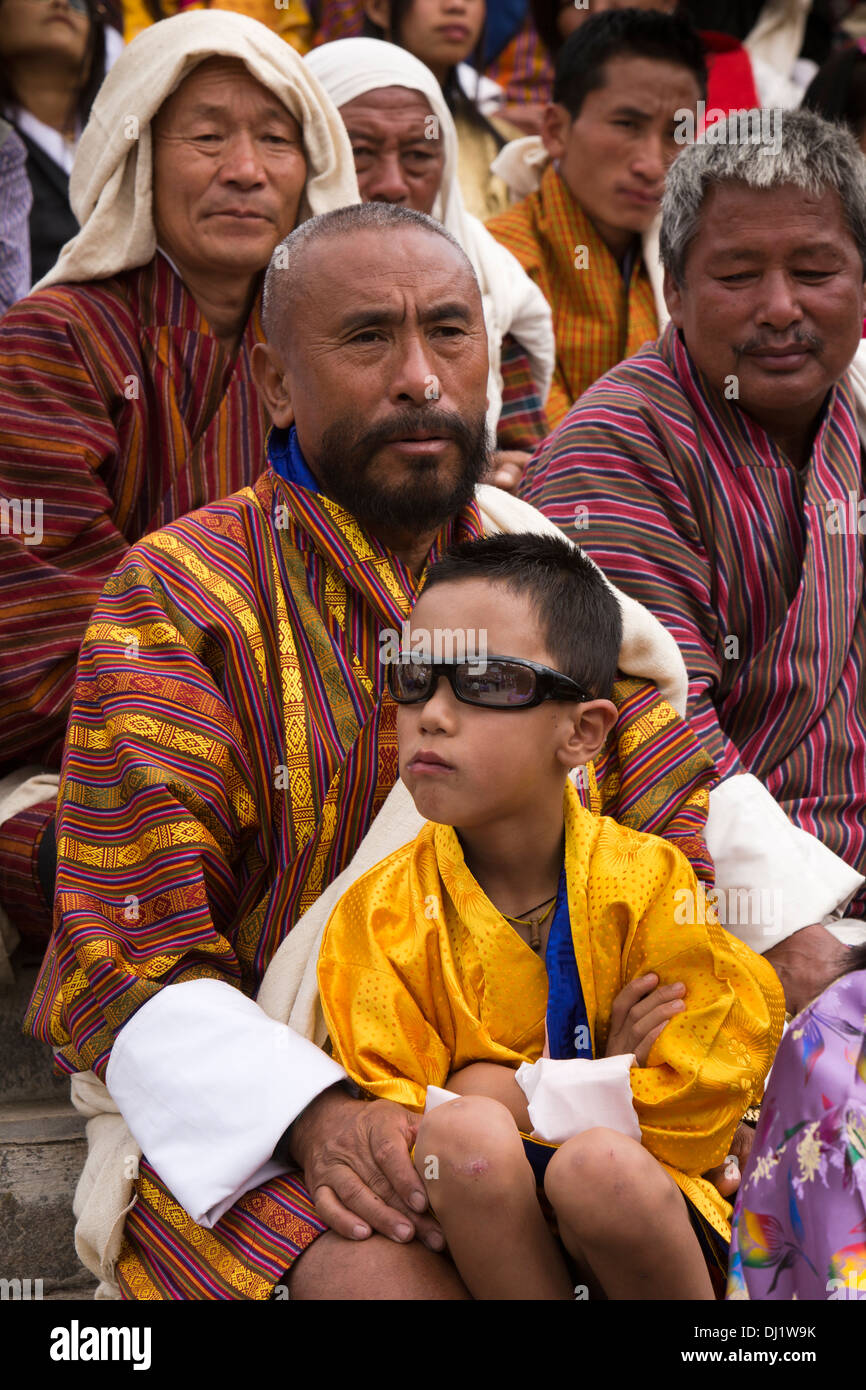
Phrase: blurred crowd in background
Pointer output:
(494, 63)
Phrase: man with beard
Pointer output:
(228, 749)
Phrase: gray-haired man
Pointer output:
(717, 477)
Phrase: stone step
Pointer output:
(42, 1151)
(81, 1285)
(26, 1068)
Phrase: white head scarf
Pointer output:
(111, 188)
(346, 69)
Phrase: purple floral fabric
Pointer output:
(799, 1225)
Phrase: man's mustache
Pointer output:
(433, 421)
(760, 342)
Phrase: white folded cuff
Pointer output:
(208, 1084)
(772, 878)
(436, 1096)
(569, 1095)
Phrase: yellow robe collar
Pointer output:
(502, 950)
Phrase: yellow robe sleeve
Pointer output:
(712, 1058)
(381, 1018)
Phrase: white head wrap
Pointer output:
(111, 187)
(347, 68)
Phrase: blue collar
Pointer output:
(286, 459)
(567, 1023)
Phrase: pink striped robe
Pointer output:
(119, 412)
(687, 504)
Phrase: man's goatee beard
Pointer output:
(422, 502)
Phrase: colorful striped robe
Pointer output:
(758, 571)
(228, 749)
(119, 412)
(598, 319)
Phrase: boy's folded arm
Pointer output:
(711, 1059)
(378, 1031)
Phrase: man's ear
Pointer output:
(590, 726)
(379, 11)
(556, 126)
(272, 381)
(673, 299)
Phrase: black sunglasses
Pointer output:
(499, 682)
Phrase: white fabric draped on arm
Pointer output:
(208, 1084)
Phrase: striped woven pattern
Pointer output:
(227, 752)
(688, 505)
(166, 1256)
(119, 412)
(523, 68)
(523, 422)
(652, 775)
(597, 319)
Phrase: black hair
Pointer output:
(92, 67)
(838, 90)
(578, 613)
(544, 17)
(623, 33)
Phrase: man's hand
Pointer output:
(640, 1012)
(508, 468)
(805, 963)
(355, 1159)
(726, 1176)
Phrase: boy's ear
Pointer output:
(590, 727)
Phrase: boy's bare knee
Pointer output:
(602, 1166)
(467, 1140)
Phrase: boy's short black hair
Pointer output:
(623, 33)
(578, 613)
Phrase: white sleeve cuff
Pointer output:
(207, 1084)
(436, 1096)
(569, 1095)
(772, 878)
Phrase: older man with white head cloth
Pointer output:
(126, 397)
(405, 147)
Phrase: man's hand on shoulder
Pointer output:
(355, 1156)
(805, 964)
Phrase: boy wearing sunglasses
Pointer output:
(550, 968)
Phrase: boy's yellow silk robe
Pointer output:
(420, 975)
